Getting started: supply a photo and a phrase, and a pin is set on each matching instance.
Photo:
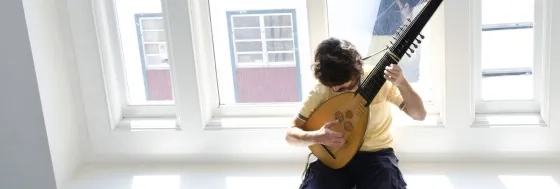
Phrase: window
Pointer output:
(263, 57)
(261, 53)
(145, 62)
(370, 25)
(507, 63)
(251, 49)
(155, 61)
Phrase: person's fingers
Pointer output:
(330, 124)
(391, 79)
(391, 74)
(335, 134)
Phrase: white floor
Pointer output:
(287, 176)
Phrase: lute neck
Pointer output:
(405, 36)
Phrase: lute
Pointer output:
(351, 109)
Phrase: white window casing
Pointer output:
(191, 127)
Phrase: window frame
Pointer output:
(222, 112)
(531, 106)
(112, 60)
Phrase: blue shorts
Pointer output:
(367, 170)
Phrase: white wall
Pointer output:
(47, 22)
(25, 161)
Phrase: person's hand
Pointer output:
(328, 137)
(393, 73)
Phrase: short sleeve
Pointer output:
(314, 98)
(394, 96)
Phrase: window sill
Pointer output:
(508, 120)
(246, 122)
(283, 122)
(148, 124)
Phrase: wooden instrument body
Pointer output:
(348, 108)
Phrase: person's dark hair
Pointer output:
(336, 62)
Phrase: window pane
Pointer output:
(278, 33)
(247, 33)
(507, 31)
(144, 47)
(250, 58)
(370, 25)
(281, 57)
(152, 24)
(279, 45)
(278, 20)
(246, 21)
(152, 48)
(153, 36)
(507, 11)
(248, 46)
(257, 58)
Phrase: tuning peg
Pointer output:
(421, 36)
(411, 50)
(407, 54)
(418, 41)
(415, 45)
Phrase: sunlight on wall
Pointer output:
(262, 182)
(525, 181)
(156, 182)
(428, 181)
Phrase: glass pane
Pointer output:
(278, 20)
(278, 33)
(152, 24)
(507, 77)
(507, 11)
(155, 60)
(142, 32)
(250, 58)
(244, 50)
(279, 45)
(247, 34)
(154, 36)
(370, 26)
(248, 46)
(151, 48)
(280, 57)
(246, 21)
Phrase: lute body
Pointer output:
(351, 109)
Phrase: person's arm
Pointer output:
(403, 95)
(412, 104)
(296, 136)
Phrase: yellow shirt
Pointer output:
(378, 134)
